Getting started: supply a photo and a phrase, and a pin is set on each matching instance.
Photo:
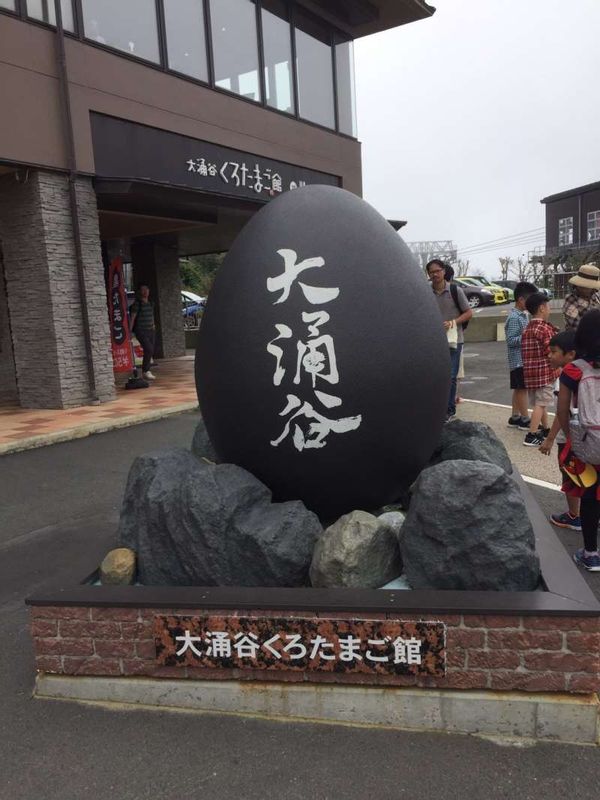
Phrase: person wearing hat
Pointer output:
(585, 295)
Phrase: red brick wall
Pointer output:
(549, 654)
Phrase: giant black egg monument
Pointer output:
(322, 366)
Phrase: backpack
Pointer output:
(454, 293)
(584, 427)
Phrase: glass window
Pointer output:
(10, 4)
(593, 226)
(235, 46)
(186, 40)
(565, 231)
(346, 90)
(44, 11)
(129, 26)
(277, 47)
(315, 71)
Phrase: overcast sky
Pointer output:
(469, 118)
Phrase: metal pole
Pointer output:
(63, 80)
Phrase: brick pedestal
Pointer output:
(522, 653)
(43, 291)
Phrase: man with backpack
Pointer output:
(456, 313)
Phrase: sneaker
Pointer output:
(533, 439)
(566, 521)
(450, 417)
(545, 432)
(515, 421)
(591, 563)
(149, 376)
(524, 424)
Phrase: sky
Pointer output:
(467, 119)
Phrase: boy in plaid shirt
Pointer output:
(539, 374)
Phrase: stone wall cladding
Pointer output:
(8, 378)
(168, 279)
(43, 291)
(504, 653)
(28, 291)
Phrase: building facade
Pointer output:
(152, 130)
(573, 218)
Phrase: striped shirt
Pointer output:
(144, 315)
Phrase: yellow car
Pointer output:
(501, 295)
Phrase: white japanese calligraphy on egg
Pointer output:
(315, 355)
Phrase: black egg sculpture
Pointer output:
(322, 364)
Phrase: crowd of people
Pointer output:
(547, 368)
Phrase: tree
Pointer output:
(505, 266)
(463, 266)
(198, 272)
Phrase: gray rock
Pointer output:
(393, 519)
(467, 528)
(357, 551)
(198, 524)
(201, 445)
(471, 441)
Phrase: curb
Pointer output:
(81, 431)
(570, 719)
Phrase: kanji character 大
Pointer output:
(315, 295)
(188, 644)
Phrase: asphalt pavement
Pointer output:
(58, 513)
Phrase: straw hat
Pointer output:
(588, 277)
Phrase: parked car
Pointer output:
(476, 295)
(192, 308)
(501, 294)
(511, 285)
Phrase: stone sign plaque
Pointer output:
(307, 644)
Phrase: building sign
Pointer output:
(126, 150)
(311, 644)
(118, 318)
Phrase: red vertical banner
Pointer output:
(118, 317)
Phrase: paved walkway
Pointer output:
(173, 391)
(528, 460)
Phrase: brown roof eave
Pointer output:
(364, 17)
